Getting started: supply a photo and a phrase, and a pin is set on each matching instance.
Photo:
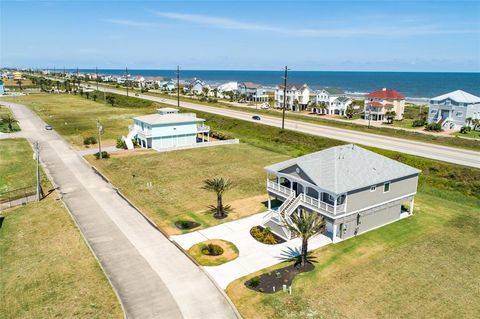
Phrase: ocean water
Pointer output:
(410, 84)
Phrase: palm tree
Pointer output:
(205, 91)
(390, 115)
(7, 118)
(295, 104)
(19, 83)
(468, 121)
(323, 107)
(215, 92)
(306, 225)
(349, 112)
(218, 185)
(111, 99)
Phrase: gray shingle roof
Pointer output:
(334, 91)
(345, 168)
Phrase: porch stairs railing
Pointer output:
(277, 219)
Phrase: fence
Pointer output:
(18, 196)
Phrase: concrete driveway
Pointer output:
(253, 255)
(151, 276)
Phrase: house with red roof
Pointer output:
(378, 103)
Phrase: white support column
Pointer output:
(411, 206)
(335, 205)
(269, 203)
(334, 231)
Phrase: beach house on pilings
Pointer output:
(354, 189)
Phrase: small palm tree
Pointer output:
(19, 83)
(349, 112)
(218, 185)
(306, 225)
(205, 91)
(7, 118)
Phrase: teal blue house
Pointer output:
(2, 88)
(167, 129)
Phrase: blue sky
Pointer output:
(244, 35)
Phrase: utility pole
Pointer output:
(285, 77)
(64, 73)
(37, 158)
(126, 81)
(96, 76)
(178, 86)
(100, 130)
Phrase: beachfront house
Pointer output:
(2, 88)
(452, 109)
(331, 101)
(298, 97)
(354, 189)
(167, 129)
(167, 85)
(253, 92)
(378, 103)
(223, 89)
(195, 86)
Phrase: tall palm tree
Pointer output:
(205, 91)
(306, 225)
(19, 83)
(218, 185)
(10, 120)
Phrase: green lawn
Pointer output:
(17, 169)
(177, 178)
(470, 134)
(75, 117)
(47, 270)
(4, 111)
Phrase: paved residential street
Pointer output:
(433, 151)
(152, 277)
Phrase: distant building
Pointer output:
(195, 87)
(167, 85)
(333, 100)
(17, 76)
(452, 109)
(378, 103)
(167, 129)
(298, 97)
(254, 92)
(2, 88)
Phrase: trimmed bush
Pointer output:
(104, 155)
(121, 143)
(269, 239)
(418, 123)
(465, 129)
(254, 282)
(436, 127)
(89, 140)
(257, 234)
(212, 250)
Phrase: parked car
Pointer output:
(264, 106)
(48, 127)
(136, 94)
(256, 117)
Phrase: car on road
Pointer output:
(256, 117)
(136, 94)
(264, 106)
(48, 127)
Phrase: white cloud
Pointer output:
(388, 30)
(131, 23)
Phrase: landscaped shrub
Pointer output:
(465, 129)
(212, 250)
(436, 127)
(186, 224)
(269, 239)
(121, 143)
(203, 99)
(89, 140)
(212, 100)
(220, 136)
(419, 123)
(254, 282)
(104, 155)
(257, 233)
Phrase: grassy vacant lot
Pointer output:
(75, 117)
(426, 266)
(47, 270)
(17, 168)
(177, 178)
(4, 126)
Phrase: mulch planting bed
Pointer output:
(265, 283)
(278, 239)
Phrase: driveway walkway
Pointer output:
(152, 277)
(253, 255)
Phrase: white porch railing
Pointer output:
(279, 188)
(203, 128)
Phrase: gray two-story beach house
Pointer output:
(354, 189)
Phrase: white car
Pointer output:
(264, 106)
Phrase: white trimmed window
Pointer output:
(386, 187)
(373, 188)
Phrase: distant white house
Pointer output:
(195, 86)
(254, 92)
(334, 100)
(223, 89)
(167, 129)
(298, 96)
(452, 109)
(167, 85)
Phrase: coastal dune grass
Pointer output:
(47, 270)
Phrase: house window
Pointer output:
(373, 188)
(386, 187)
(459, 114)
